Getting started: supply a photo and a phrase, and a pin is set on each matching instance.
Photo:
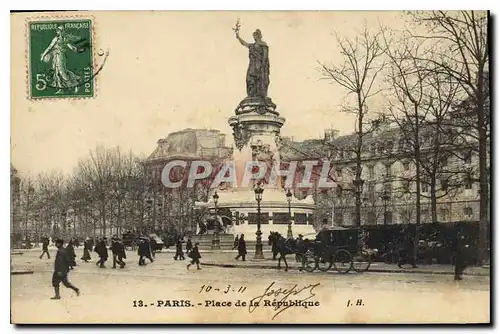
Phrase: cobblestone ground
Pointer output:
(108, 294)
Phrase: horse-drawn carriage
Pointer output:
(336, 247)
(339, 248)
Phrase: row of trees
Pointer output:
(433, 79)
(108, 192)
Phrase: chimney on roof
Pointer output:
(331, 134)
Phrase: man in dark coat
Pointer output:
(102, 252)
(459, 248)
(242, 248)
(118, 249)
(235, 243)
(45, 248)
(87, 248)
(189, 245)
(70, 249)
(195, 256)
(144, 251)
(407, 250)
(179, 254)
(61, 270)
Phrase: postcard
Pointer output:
(260, 167)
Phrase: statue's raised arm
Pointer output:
(242, 41)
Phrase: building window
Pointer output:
(468, 212)
(281, 218)
(390, 146)
(468, 182)
(444, 184)
(339, 218)
(424, 186)
(253, 218)
(300, 218)
(388, 216)
(388, 171)
(310, 219)
(372, 218)
(444, 161)
(338, 171)
(371, 191)
(371, 172)
(445, 213)
(388, 188)
(467, 157)
(338, 192)
(406, 186)
(406, 165)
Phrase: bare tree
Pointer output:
(363, 62)
(463, 54)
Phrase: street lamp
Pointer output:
(215, 239)
(289, 233)
(258, 245)
(386, 197)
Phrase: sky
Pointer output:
(167, 71)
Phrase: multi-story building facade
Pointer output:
(388, 178)
(173, 209)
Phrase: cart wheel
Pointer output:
(310, 262)
(361, 261)
(342, 261)
(325, 262)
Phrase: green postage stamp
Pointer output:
(61, 58)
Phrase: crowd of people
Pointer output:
(65, 259)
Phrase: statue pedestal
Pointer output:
(259, 105)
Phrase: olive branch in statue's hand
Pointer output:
(237, 27)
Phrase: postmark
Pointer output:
(61, 58)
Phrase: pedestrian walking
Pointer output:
(189, 245)
(235, 243)
(102, 252)
(178, 251)
(195, 256)
(459, 248)
(70, 250)
(45, 247)
(242, 248)
(87, 248)
(144, 251)
(61, 270)
(118, 249)
(406, 252)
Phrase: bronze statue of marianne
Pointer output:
(258, 67)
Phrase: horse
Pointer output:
(282, 246)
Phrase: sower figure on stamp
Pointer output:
(179, 254)
(45, 248)
(102, 252)
(195, 256)
(55, 54)
(242, 248)
(118, 250)
(87, 248)
(61, 270)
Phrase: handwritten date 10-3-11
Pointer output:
(208, 288)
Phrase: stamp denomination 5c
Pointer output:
(61, 58)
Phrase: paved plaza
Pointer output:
(108, 294)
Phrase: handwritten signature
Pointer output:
(272, 291)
